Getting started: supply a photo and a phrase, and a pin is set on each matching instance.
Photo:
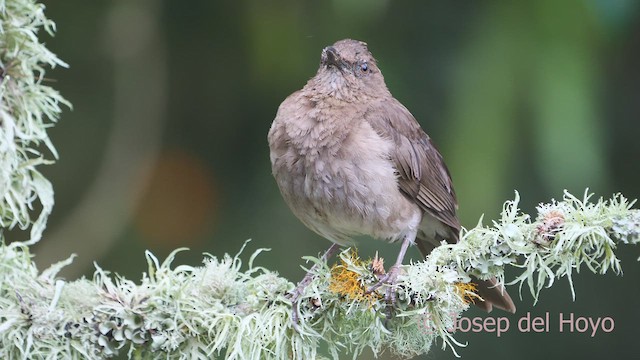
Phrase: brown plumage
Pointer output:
(350, 160)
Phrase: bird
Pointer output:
(351, 160)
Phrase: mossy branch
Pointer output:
(224, 310)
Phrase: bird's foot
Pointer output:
(388, 279)
(294, 297)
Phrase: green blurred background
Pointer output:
(166, 144)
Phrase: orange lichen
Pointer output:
(346, 282)
(467, 292)
(377, 265)
(552, 223)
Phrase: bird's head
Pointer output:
(348, 70)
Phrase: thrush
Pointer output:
(351, 160)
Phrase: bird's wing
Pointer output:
(422, 175)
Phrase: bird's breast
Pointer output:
(338, 178)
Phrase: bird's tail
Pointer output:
(492, 294)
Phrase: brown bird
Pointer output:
(350, 160)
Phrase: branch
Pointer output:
(221, 310)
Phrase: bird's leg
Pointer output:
(391, 276)
(297, 292)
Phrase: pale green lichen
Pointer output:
(27, 109)
(224, 310)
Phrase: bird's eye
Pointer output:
(364, 67)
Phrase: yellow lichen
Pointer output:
(467, 292)
(346, 282)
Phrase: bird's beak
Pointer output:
(330, 57)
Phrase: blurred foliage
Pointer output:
(534, 96)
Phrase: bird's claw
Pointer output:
(389, 279)
(294, 297)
